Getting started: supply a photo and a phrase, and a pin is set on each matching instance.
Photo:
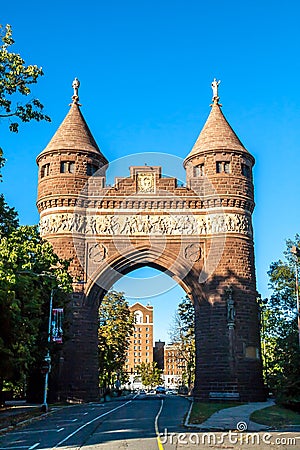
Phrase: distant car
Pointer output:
(160, 390)
(152, 392)
(142, 391)
(171, 392)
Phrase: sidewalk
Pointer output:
(17, 411)
(235, 418)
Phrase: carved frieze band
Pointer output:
(133, 224)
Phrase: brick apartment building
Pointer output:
(174, 366)
(141, 343)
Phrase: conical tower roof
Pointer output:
(74, 133)
(216, 134)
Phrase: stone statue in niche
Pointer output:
(230, 308)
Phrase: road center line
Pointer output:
(34, 446)
(160, 446)
(91, 421)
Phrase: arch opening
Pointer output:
(156, 335)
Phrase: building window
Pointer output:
(147, 329)
(138, 317)
(45, 170)
(199, 170)
(67, 166)
(91, 169)
(223, 167)
(246, 171)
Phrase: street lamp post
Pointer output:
(47, 359)
(296, 252)
(48, 356)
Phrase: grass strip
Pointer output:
(202, 411)
(276, 416)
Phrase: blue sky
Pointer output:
(145, 70)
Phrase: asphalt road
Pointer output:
(132, 424)
(142, 423)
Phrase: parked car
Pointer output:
(160, 390)
(152, 392)
(171, 392)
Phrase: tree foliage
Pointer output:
(15, 80)
(280, 340)
(150, 374)
(116, 325)
(29, 269)
(182, 335)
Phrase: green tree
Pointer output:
(115, 328)
(182, 335)
(280, 345)
(150, 374)
(24, 300)
(15, 80)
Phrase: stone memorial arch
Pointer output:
(200, 235)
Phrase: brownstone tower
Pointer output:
(219, 170)
(201, 235)
(69, 160)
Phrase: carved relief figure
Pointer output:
(179, 224)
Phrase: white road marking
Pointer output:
(34, 446)
(9, 448)
(91, 421)
(36, 431)
(65, 420)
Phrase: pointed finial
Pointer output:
(75, 86)
(214, 86)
